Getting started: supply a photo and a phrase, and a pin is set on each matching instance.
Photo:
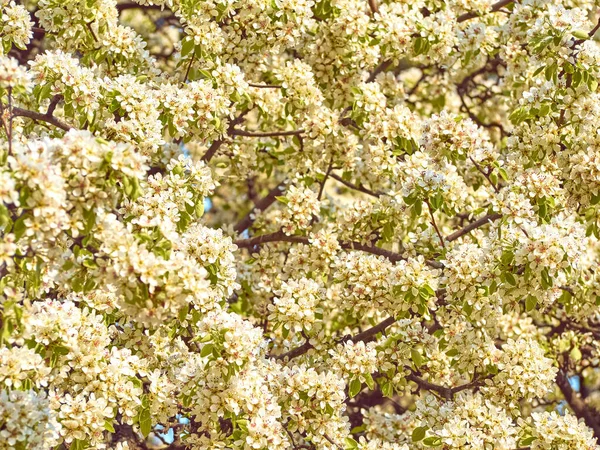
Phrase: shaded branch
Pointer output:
(293, 353)
(579, 407)
(380, 68)
(261, 205)
(216, 144)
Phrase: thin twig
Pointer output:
(236, 132)
(187, 72)
(486, 175)
(265, 86)
(359, 188)
(331, 441)
(322, 186)
(437, 230)
(10, 121)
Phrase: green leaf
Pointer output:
(452, 352)
(429, 290)
(108, 426)
(418, 208)
(370, 382)
(575, 354)
(183, 312)
(544, 109)
(576, 80)
(78, 445)
(580, 34)
(145, 422)
(187, 46)
(416, 357)
(355, 387)
(145, 402)
(419, 433)
(20, 227)
(527, 441)
(387, 389)
(207, 350)
(350, 444)
(510, 278)
(358, 429)
(530, 303)
(538, 70)
(432, 441)
(507, 258)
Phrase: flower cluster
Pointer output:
(301, 205)
(296, 305)
(15, 26)
(285, 224)
(27, 421)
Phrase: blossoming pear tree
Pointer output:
(299, 224)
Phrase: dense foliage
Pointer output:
(289, 224)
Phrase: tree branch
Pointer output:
(293, 353)
(578, 406)
(437, 230)
(359, 188)
(495, 7)
(365, 336)
(446, 392)
(473, 225)
(20, 112)
(380, 68)
(216, 144)
(236, 132)
(369, 335)
(265, 86)
(373, 6)
(130, 5)
(279, 236)
(261, 205)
